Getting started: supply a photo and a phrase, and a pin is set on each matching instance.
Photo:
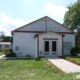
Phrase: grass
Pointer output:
(31, 69)
(73, 59)
(1, 53)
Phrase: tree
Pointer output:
(7, 39)
(72, 16)
(72, 19)
(4, 38)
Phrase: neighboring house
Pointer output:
(43, 37)
(4, 45)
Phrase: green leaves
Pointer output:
(72, 16)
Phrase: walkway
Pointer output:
(2, 56)
(64, 65)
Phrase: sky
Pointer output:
(15, 13)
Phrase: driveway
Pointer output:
(64, 65)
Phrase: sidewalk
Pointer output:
(2, 56)
(64, 65)
(11, 58)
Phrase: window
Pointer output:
(6, 46)
(46, 46)
(53, 46)
(17, 48)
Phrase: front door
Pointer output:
(50, 48)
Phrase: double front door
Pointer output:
(50, 47)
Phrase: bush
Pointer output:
(9, 52)
(75, 50)
(28, 55)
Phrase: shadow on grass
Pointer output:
(15, 58)
(38, 59)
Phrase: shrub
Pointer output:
(75, 50)
(9, 52)
(28, 55)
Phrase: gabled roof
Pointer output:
(38, 20)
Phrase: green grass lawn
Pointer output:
(1, 53)
(73, 59)
(31, 69)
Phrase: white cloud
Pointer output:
(56, 11)
(9, 24)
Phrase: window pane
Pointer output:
(46, 46)
(46, 53)
(53, 46)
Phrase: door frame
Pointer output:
(50, 45)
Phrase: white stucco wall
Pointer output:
(26, 43)
(68, 43)
(50, 35)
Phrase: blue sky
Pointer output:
(15, 13)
